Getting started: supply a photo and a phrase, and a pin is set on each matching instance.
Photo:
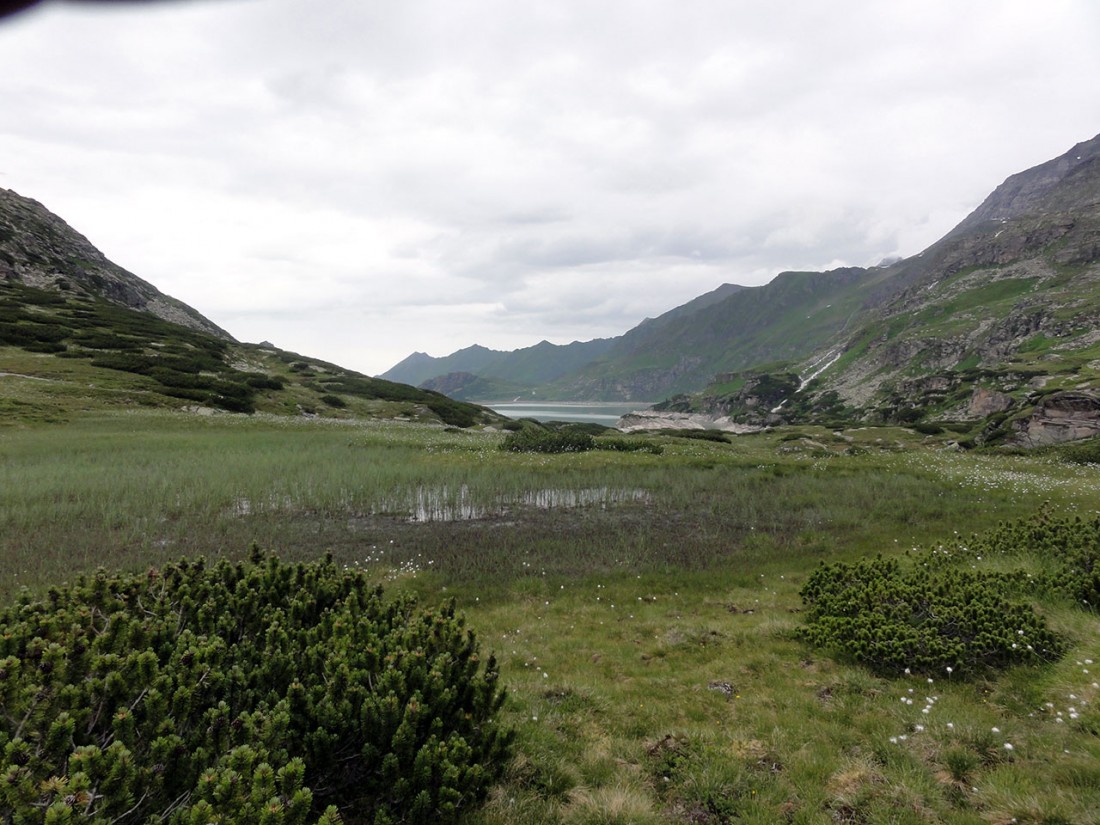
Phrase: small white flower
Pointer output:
(1008, 746)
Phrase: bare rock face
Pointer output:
(1066, 183)
(1065, 416)
(655, 420)
(988, 402)
(39, 249)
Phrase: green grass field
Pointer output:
(643, 606)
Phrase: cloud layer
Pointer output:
(357, 181)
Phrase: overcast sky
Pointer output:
(357, 180)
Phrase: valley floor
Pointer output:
(643, 607)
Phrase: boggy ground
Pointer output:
(646, 630)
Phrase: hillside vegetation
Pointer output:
(61, 353)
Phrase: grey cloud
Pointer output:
(550, 169)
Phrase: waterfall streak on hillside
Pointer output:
(816, 372)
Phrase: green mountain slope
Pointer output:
(466, 385)
(507, 373)
(420, 367)
(778, 322)
(544, 370)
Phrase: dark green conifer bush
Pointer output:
(718, 436)
(531, 440)
(630, 445)
(1083, 452)
(248, 693)
(939, 609)
(1068, 550)
(893, 618)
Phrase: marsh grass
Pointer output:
(647, 641)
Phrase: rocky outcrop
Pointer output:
(1064, 416)
(985, 402)
(652, 420)
(39, 249)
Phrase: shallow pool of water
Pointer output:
(440, 504)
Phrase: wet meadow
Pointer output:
(644, 607)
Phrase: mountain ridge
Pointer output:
(1005, 306)
(41, 250)
(994, 324)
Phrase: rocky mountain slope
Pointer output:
(996, 327)
(79, 333)
(39, 249)
(996, 324)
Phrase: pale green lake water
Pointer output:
(606, 413)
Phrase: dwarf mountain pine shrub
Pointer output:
(630, 445)
(1084, 452)
(531, 440)
(938, 609)
(892, 618)
(1066, 548)
(248, 693)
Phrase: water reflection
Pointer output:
(439, 504)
